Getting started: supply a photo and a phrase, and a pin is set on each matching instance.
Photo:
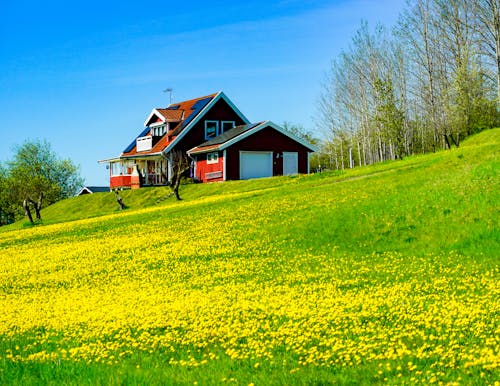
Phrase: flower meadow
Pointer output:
(388, 278)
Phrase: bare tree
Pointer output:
(119, 200)
(488, 32)
(418, 89)
(180, 164)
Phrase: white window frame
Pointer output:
(158, 130)
(129, 164)
(222, 129)
(213, 158)
(216, 129)
(116, 167)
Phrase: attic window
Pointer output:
(158, 131)
(226, 125)
(211, 129)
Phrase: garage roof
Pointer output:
(240, 132)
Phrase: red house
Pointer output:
(218, 138)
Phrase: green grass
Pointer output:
(326, 274)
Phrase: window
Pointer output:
(212, 158)
(226, 125)
(211, 129)
(158, 131)
(128, 167)
(116, 169)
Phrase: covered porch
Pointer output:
(152, 171)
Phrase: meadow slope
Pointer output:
(383, 274)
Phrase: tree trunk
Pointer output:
(38, 207)
(119, 200)
(456, 142)
(447, 140)
(27, 211)
(380, 152)
(359, 154)
(175, 189)
(341, 154)
(180, 164)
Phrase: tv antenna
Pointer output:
(170, 91)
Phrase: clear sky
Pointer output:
(84, 75)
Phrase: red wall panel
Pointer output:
(203, 168)
(119, 182)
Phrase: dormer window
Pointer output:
(226, 125)
(211, 129)
(158, 131)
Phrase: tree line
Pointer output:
(426, 84)
(34, 177)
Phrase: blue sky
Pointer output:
(84, 75)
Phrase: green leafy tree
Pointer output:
(36, 176)
(7, 210)
(389, 117)
(469, 109)
(301, 132)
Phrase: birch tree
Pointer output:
(487, 14)
(425, 86)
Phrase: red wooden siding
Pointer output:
(209, 172)
(220, 111)
(267, 139)
(119, 182)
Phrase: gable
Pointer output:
(267, 139)
(169, 114)
(219, 112)
(219, 107)
(154, 118)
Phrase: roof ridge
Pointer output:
(191, 100)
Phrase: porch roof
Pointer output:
(238, 133)
(134, 156)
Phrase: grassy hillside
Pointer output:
(383, 274)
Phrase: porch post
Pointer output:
(135, 180)
(170, 169)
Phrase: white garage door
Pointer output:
(256, 164)
(290, 163)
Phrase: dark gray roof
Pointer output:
(93, 189)
(97, 189)
(228, 135)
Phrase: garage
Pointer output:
(253, 151)
(256, 164)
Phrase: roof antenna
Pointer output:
(170, 91)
